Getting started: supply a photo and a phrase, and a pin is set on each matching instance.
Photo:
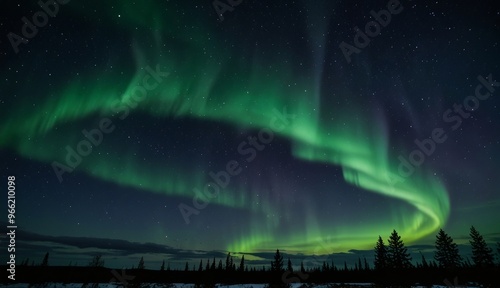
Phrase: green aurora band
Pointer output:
(205, 88)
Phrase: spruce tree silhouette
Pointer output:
(447, 254)
(380, 262)
(397, 254)
(162, 268)
(219, 267)
(97, 261)
(482, 255)
(242, 264)
(45, 261)
(141, 264)
(213, 265)
(200, 268)
(228, 264)
(277, 272)
(289, 266)
(498, 252)
(277, 264)
(424, 261)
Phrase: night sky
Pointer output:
(259, 130)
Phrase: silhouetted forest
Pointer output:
(392, 266)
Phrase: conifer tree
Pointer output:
(162, 268)
(200, 268)
(447, 254)
(219, 267)
(208, 265)
(277, 264)
(97, 261)
(242, 263)
(213, 265)
(289, 266)
(141, 264)
(302, 267)
(380, 255)
(482, 255)
(186, 268)
(424, 261)
(45, 261)
(498, 252)
(228, 262)
(397, 254)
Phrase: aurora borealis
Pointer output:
(316, 140)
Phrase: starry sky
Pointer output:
(191, 135)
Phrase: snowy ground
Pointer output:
(182, 285)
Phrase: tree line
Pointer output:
(447, 255)
(392, 263)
